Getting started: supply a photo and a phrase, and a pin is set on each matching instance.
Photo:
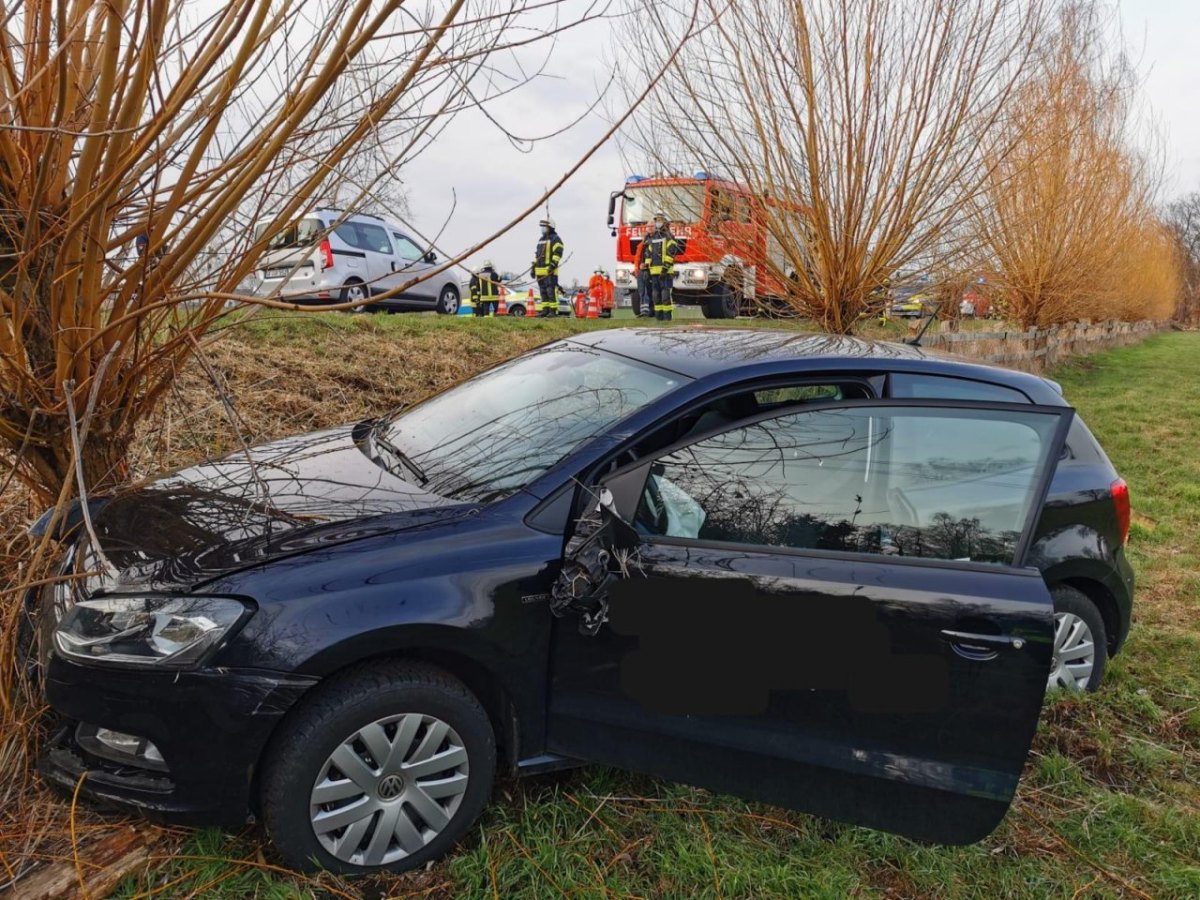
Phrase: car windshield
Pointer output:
(496, 433)
(681, 203)
(301, 233)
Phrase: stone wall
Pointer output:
(1040, 348)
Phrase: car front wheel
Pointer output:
(1080, 642)
(383, 769)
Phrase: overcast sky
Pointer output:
(491, 180)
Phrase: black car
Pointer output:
(819, 572)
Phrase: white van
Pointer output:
(313, 262)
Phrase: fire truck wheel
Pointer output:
(722, 303)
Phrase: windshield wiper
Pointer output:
(404, 458)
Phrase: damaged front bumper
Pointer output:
(208, 729)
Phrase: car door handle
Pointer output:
(990, 641)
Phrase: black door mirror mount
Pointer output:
(430, 257)
(626, 488)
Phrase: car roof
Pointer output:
(703, 352)
(329, 214)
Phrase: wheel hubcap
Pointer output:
(450, 301)
(1074, 653)
(389, 789)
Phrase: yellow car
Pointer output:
(914, 306)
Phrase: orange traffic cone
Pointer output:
(530, 311)
(502, 308)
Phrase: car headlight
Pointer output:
(696, 274)
(168, 632)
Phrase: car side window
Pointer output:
(909, 385)
(939, 483)
(349, 235)
(406, 249)
(372, 237)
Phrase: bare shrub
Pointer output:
(868, 125)
(1066, 223)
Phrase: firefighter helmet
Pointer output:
(546, 223)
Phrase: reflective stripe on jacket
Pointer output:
(548, 255)
(485, 285)
(661, 248)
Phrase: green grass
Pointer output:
(1109, 805)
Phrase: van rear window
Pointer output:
(301, 233)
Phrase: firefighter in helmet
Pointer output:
(546, 259)
(641, 274)
(608, 304)
(660, 249)
(595, 287)
(485, 289)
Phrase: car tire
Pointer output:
(516, 310)
(354, 290)
(1080, 642)
(448, 300)
(401, 707)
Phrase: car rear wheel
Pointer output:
(516, 309)
(354, 291)
(447, 303)
(384, 769)
(1080, 642)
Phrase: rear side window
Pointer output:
(373, 237)
(349, 235)
(946, 484)
(301, 233)
(936, 387)
(363, 236)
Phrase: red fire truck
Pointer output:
(730, 263)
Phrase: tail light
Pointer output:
(326, 255)
(1120, 495)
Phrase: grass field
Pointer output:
(1110, 802)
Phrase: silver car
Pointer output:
(330, 256)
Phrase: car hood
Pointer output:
(277, 500)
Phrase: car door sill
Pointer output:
(976, 780)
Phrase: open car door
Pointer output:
(827, 610)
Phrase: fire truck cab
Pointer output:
(728, 264)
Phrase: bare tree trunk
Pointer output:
(866, 127)
(139, 148)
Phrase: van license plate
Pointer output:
(283, 273)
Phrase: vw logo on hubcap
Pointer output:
(391, 787)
